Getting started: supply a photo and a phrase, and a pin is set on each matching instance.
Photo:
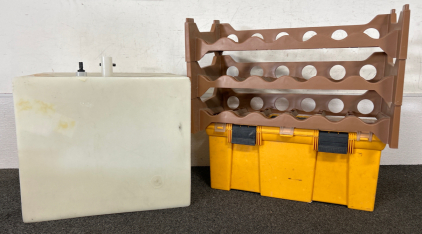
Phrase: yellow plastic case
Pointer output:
(285, 164)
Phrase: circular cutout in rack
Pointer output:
(308, 35)
(368, 72)
(232, 71)
(282, 104)
(257, 71)
(336, 105)
(233, 102)
(282, 71)
(257, 103)
(258, 35)
(373, 33)
(233, 37)
(281, 35)
(337, 72)
(308, 104)
(365, 106)
(309, 71)
(339, 34)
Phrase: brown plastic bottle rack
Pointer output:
(385, 90)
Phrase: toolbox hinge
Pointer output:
(219, 127)
(287, 131)
(364, 136)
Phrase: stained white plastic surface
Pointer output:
(99, 145)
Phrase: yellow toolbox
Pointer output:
(296, 164)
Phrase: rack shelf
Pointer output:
(384, 90)
(287, 43)
(383, 87)
(348, 124)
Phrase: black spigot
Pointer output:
(81, 67)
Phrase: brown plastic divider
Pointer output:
(379, 22)
(383, 87)
(352, 68)
(349, 124)
(294, 101)
(385, 90)
(287, 42)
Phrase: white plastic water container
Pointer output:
(96, 145)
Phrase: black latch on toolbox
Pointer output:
(333, 142)
(243, 134)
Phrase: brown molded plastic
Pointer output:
(385, 90)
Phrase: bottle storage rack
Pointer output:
(385, 90)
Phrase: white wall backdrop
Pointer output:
(148, 36)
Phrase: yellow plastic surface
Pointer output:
(330, 178)
(287, 164)
(220, 162)
(289, 167)
(349, 179)
(363, 178)
(287, 170)
(245, 168)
